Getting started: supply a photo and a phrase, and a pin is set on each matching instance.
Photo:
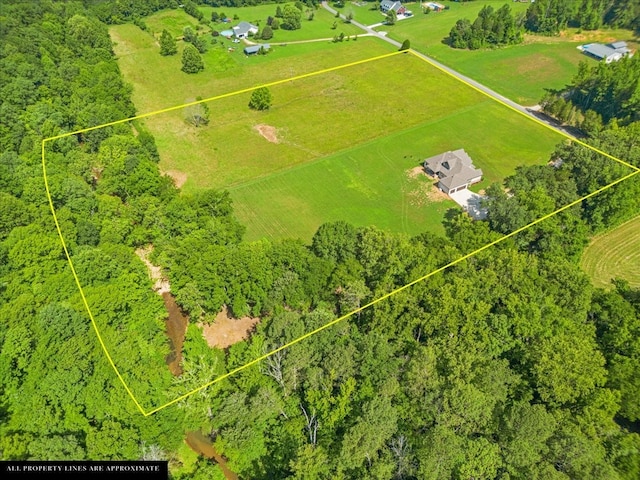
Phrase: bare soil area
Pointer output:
(423, 190)
(268, 132)
(226, 330)
(178, 177)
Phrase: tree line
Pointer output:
(500, 27)
(602, 96)
(491, 28)
(550, 17)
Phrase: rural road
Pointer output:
(526, 110)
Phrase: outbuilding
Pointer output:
(611, 52)
(252, 49)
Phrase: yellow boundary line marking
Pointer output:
(343, 317)
(530, 117)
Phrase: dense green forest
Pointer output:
(508, 365)
(549, 17)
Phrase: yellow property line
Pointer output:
(339, 319)
(393, 292)
(225, 95)
(520, 112)
(75, 276)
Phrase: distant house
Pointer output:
(454, 170)
(256, 48)
(611, 52)
(435, 6)
(395, 5)
(243, 29)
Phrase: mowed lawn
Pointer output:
(372, 184)
(339, 144)
(615, 254)
(519, 72)
(320, 26)
(311, 117)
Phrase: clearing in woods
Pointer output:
(614, 255)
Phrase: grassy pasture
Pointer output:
(615, 254)
(370, 184)
(346, 139)
(313, 117)
(174, 21)
(319, 27)
(519, 72)
(158, 81)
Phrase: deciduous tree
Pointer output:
(260, 99)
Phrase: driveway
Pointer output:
(470, 203)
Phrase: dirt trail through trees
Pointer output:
(176, 321)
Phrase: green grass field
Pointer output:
(372, 183)
(174, 21)
(158, 82)
(363, 12)
(321, 26)
(615, 254)
(519, 72)
(345, 140)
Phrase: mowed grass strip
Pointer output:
(520, 72)
(379, 183)
(615, 254)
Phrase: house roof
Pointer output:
(617, 45)
(454, 168)
(256, 48)
(391, 5)
(243, 28)
(601, 51)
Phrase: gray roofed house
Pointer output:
(243, 29)
(395, 5)
(455, 170)
(611, 52)
(256, 48)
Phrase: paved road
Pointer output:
(527, 111)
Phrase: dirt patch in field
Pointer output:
(416, 172)
(226, 330)
(268, 132)
(423, 189)
(178, 177)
